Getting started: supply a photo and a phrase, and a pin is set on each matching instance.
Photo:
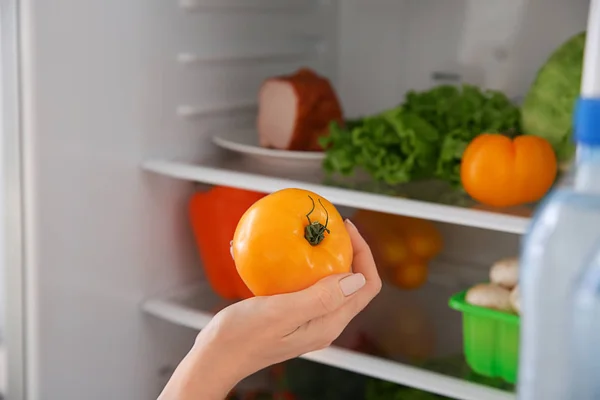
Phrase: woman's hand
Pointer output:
(256, 333)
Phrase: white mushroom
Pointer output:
(515, 300)
(489, 296)
(505, 272)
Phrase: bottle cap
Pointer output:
(586, 121)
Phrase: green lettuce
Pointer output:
(547, 109)
(394, 147)
(422, 138)
(462, 113)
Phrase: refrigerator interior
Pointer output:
(108, 112)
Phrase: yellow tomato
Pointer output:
(387, 243)
(411, 274)
(394, 252)
(423, 239)
(289, 240)
(393, 237)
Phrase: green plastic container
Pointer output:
(491, 339)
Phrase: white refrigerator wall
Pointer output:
(96, 89)
(388, 46)
(101, 87)
(104, 85)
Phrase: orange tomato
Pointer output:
(392, 252)
(387, 244)
(411, 274)
(502, 172)
(289, 240)
(402, 246)
(423, 239)
(395, 236)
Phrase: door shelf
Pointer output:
(428, 200)
(193, 307)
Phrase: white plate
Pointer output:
(246, 142)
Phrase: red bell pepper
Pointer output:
(214, 215)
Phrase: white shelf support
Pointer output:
(215, 109)
(191, 58)
(249, 6)
(590, 85)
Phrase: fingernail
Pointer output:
(350, 223)
(231, 248)
(351, 284)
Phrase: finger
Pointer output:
(365, 264)
(333, 292)
(363, 261)
(320, 333)
(322, 298)
(334, 324)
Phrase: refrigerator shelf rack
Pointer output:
(245, 173)
(194, 307)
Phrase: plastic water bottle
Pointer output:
(585, 338)
(562, 239)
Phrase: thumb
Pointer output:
(324, 297)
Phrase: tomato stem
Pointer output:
(314, 232)
(511, 133)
